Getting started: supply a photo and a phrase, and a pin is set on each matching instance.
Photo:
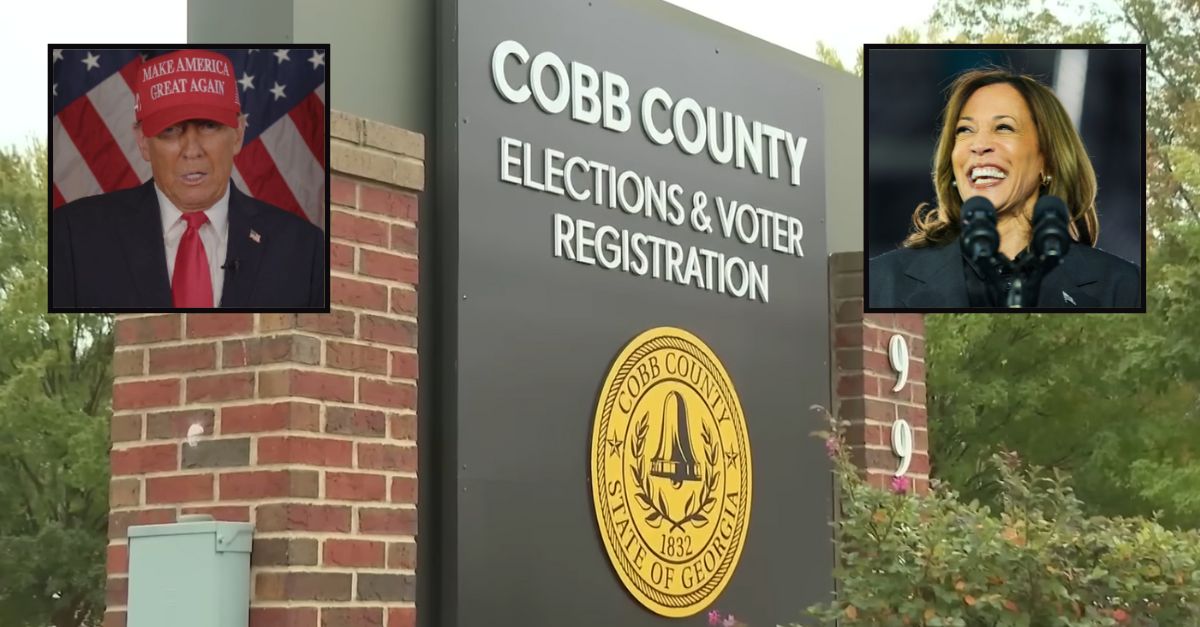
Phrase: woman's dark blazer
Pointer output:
(933, 278)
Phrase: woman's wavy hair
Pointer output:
(1072, 176)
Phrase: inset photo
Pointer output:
(1005, 178)
(189, 179)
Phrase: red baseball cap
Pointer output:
(186, 85)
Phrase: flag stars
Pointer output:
(91, 61)
(277, 91)
(58, 55)
(282, 55)
(247, 81)
(317, 59)
(54, 89)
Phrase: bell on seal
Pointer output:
(675, 460)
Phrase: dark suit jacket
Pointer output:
(932, 278)
(107, 253)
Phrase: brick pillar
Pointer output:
(309, 420)
(863, 378)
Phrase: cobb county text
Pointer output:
(642, 254)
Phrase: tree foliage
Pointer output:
(827, 55)
(55, 386)
(1035, 559)
(1115, 399)
(1025, 21)
(1170, 30)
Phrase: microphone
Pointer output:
(1050, 242)
(980, 240)
(1051, 237)
(231, 266)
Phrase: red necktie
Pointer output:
(192, 283)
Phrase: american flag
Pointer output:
(282, 91)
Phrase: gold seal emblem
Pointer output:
(671, 472)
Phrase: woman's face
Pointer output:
(996, 153)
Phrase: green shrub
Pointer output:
(933, 560)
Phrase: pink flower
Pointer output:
(730, 621)
(900, 485)
(714, 618)
(831, 446)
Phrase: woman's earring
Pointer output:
(953, 183)
(1046, 178)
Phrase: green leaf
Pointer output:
(55, 387)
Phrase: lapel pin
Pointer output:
(255, 236)
(1067, 298)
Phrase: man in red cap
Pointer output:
(187, 238)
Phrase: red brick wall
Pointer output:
(863, 378)
(309, 420)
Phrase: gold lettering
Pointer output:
(720, 402)
(656, 572)
(710, 560)
(698, 566)
(730, 509)
(630, 541)
(643, 373)
(633, 386)
(718, 543)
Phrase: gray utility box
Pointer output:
(192, 573)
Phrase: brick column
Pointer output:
(309, 420)
(863, 378)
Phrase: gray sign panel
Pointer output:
(530, 334)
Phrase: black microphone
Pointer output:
(231, 266)
(980, 240)
(1051, 237)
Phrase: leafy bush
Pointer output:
(1038, 561)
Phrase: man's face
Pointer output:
(192, 160)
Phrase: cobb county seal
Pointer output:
(671, 471)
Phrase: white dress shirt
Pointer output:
(214, 234)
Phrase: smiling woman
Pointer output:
(1008, 150)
